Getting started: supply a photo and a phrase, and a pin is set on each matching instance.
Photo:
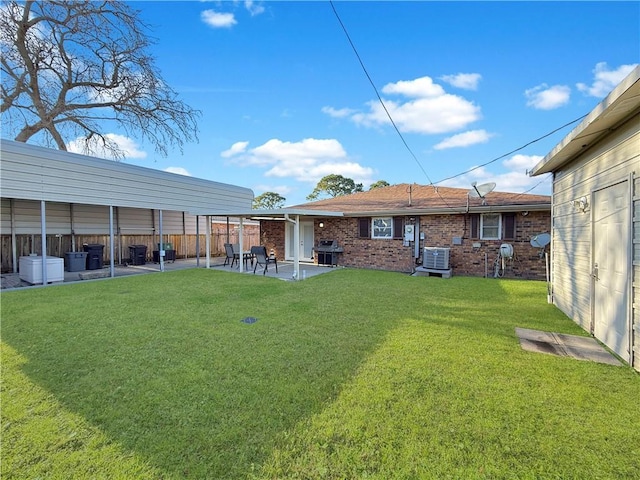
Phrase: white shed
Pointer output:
(595, 246)
(52, 192)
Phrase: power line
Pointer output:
(364, 68)
(513, 151)
(344, 29)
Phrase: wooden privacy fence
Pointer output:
(183, 244)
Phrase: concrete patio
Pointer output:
(285, 271)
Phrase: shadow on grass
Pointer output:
(165, 366)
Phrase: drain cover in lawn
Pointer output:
(249, 320)
(582, 348)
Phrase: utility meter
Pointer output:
(409, 233)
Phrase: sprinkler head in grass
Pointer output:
(249, 320)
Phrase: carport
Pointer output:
(57, 193)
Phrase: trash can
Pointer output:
(169, 255)
(75, 261)
(94, 255)
(138, 254)
(165, 246)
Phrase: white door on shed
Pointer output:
(611, 260)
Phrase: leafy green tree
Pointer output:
(379, 184)
(269, 201)
(71, 67)
(333, 186)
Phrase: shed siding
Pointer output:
(134, 221)
(37, 173)
(611, 160)
(171, 222)
(90, 219)
(5, 216)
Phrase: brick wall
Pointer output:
(466, 259)
(272, 236)
(439, 231)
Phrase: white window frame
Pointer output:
(375, 230)
(483, 236)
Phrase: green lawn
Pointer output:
(349, 375)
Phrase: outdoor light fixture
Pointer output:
(580, 204)
(321, 225)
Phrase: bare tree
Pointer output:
(69, 68)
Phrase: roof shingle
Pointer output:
(405, 197)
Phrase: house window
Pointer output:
(493, 226)
(382, 227)
(490, 224)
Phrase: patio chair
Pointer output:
(261, 258)
(235, 257)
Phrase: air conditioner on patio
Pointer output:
(435, 258)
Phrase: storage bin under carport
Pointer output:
(75, 261)
(94, 255)
(138, 254)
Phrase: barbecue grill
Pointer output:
(327, 252)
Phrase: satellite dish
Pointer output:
(541, 240)
(481, 191)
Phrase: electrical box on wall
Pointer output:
(409, 233)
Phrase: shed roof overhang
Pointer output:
(619, 106)
(271, 214)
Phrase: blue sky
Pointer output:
(285, 100)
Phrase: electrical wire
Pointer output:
(513, 151)
(353, 47)
(415, 158)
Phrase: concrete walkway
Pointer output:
(574, 346)
(285, 271)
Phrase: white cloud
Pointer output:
(236, 148)
(516, 179)
(466, 139)
(544, 97)
(338, 113)
(95, 146)
(605, 79)
(522, 162)
(306, 161)
(466, 81)
(178, 170)
(253, 8)
(428, 109)
(218, 20)
(418, 88)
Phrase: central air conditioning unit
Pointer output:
(435, 258)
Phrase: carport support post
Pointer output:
(241, 246)
(112, 259)
(208, 241)
(296, 248)
(161, 245)
(43, 230)
(14, 247)
(197, 240)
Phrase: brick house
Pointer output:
(387, 229)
